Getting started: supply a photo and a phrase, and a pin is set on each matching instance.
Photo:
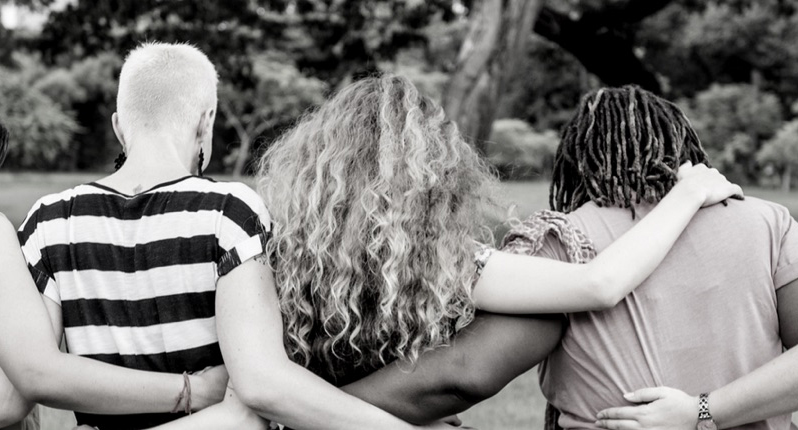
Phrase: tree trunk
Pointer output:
(786, 178)
(243, 155)
(602, 41)
(496, 40)
(243, 135)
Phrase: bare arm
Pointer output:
(482, 359)
(523, 284)
(13, 407)
(41, 373)
(251, 337)
(768, 391)
(230, 414)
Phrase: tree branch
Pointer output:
(600, 40)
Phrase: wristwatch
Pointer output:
(705, 421)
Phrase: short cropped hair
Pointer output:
(165, 86)
(3, 143)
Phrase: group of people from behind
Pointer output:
(357, 288)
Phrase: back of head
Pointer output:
(165, 88)
(3, 143)
(376, 199)
(623, 146)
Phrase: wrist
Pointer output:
(704, 416)
(685, 190)
(199, 394)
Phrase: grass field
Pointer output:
(519, 406)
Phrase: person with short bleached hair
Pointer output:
(128, 265)
(165, 88)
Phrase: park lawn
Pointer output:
(519, 406)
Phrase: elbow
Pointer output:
(470, 382)
(14, 411)
(34, 386)
(262, 398)
(9, 418)
(603, 290)
(475, 388)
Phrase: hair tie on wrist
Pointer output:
(185, 393)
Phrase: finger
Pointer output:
(453, 420)
(683, 169)
(738, 193)
(618, 424)
(645, 395)
(622, 413)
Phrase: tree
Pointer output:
(782, 152)
(496, 39)
(733, 122)
(40, 131)
(280, 95)
(601, 36)
(517, 151)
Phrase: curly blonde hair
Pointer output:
(377, 202)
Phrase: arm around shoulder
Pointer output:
(250, 332)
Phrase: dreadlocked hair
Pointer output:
(623, 146)
(3, 143)
(377, 201)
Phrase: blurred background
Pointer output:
(510, 72)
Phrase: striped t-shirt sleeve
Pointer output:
(244, 229)
(32, 242)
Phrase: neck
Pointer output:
(151, 161)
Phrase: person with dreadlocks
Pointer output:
(721, 304)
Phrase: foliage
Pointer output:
(781, 152)
(733, 121)
(41, 131)
(281, 93)
(726, 60)
(695, 44)
(517, 151)
(547, 87)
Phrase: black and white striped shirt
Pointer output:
(136, 275)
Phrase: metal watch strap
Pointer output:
(703, 407)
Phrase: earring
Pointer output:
(201, 162)
(120, 160)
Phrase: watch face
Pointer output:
(706, 425)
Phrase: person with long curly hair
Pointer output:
(379, 252)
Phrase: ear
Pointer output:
(205, 126)
(118, 131)
(205, 135)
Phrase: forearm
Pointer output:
(628, 261)
(481, 360)
(251, 338)
(212, 418)
(769, 391)
(70, 382)
(291, 395)
(42, 374)
(13, 407)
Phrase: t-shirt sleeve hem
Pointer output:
(785, 275)
(244, 251)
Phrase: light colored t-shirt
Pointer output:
(705, 317)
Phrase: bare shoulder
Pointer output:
(4, 222)
(7, 230)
